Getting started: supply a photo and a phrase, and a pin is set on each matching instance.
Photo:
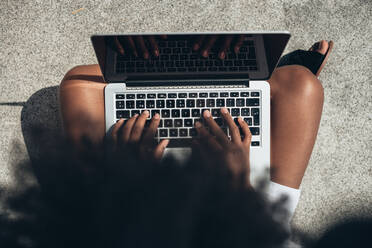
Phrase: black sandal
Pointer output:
(312, 60)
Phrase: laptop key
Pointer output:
(230, 102)
(210, 103)
(193, 95)
(168, 123)
(195, 112)
(162, 95)
(185, 112)
(240, 102)
(183, 132)
(220, 102)
(216, 112)
(255, 130)
(235, 112)
(140, 104)
(141, 96)
(134, 112)
(170, 103)
(248, 121)
(187, 122)
(190, 103)
(213, 94)
(255, 143)
(122, 114)
(203, 94)
(175, 113)
(172, 95)
(200, 103)
(150, 104)
(120, 96)
(182, 95)
(165, 113)
(255, 94)
(151, 95)
(245, 112)
(173, 132)
(180, 103)
(234, 94)
(224, 94)
(253, 102)
(160, 103)
(184, 142)
(163, 132)
(178, 123)
(244, 94)
(219, 121)
(120, 104)
(256, 116)
(131, 96)
(129, 104)
(154, 111)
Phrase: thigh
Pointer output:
(296, 108)
(82, 103)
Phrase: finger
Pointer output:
(239, 43)
(208, 45)
(115, 130)
(234, 130)
(160, 148)
(140, 42)
(216, 130)
(118, 45)
(198, 42)
(154, 45)
(149, 135)
(247, 133)
(136, 134)
(226, 44)
(127, 129)
(130, 43)
(206, 138)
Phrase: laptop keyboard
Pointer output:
(180, 110)
(178, 56)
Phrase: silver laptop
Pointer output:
(166, 74)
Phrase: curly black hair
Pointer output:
(100, 198)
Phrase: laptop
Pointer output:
(165, 73)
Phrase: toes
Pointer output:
(320, 47)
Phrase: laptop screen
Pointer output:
(189, 56)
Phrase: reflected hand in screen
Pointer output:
(138, 45)
(204, 43)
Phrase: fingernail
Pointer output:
(222, 55)
(205, 54)
(224, 110)
(156, 53)
(207, 113)
(145, 112)
(136, 115)
(237, 49)
(166, 143)
(156, 116)
(197, 124)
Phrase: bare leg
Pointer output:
(296, 108)
(82, 103)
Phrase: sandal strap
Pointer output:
(310, 59)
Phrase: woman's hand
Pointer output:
(134, 133)
(217, 148)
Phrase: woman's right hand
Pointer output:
(215, 146)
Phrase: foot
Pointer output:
(320, 47)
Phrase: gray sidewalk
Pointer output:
(41, 40)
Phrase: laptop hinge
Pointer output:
(188, 83)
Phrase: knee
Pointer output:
(80, 72)
(300, 81)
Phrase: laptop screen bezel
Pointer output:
(272, 43)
